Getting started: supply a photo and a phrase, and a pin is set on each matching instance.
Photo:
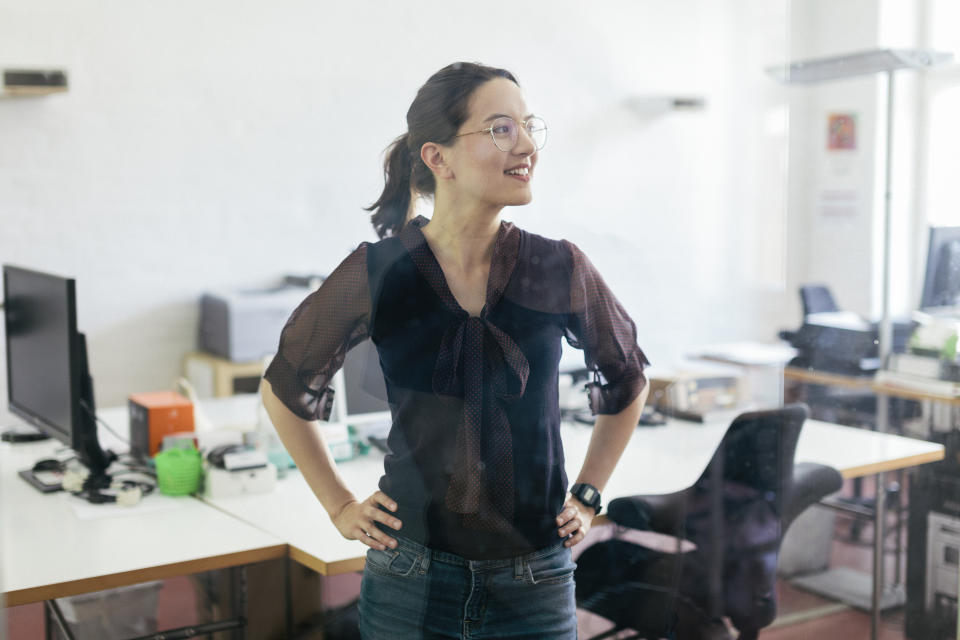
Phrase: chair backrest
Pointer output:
(816, 298)
(734, 513)
(758, 448)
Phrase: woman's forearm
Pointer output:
(309, 451)
(610, 436)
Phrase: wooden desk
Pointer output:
(866, 383)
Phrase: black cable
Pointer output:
(147, 487)
(135, 463)
(93, 414)
(99, 495)
(152, 477)
(100, 489)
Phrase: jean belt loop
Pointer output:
(518, 568)
(425, 562)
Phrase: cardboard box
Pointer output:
(155, 414)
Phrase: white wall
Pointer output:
(846, 251)
(221, 144)
(839, 249)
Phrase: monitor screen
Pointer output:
(361, 395)
(941, 283)
(40, 320)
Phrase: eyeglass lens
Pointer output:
(505, 132)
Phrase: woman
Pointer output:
(471, 531)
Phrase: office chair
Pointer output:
(736, 515)
(816, 298)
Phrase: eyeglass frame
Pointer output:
(521, 124)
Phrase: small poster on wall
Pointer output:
(839, 194)
(841, 132)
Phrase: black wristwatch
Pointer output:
(587, 494)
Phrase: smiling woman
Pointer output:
(439, 111)
(470, 532)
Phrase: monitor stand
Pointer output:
(23, 433)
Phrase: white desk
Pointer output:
(657, 460)
(292, 513)
(50, 553)
(671, 458)
(46, 552)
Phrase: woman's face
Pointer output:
(481, 171)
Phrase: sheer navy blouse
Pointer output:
(476, 464)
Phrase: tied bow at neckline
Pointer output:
(478, 359)
(483, 493)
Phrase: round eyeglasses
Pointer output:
(505, 132)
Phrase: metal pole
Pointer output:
(288, 595)
(884, 348)
(879, 513)
(886, 328)
(240, 600)
(55, 614)
(898, 577)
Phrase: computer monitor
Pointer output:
(941, 283)
(360, 394)
(48, 375)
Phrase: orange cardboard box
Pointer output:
(155, 414)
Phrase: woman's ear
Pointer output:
(432, 155)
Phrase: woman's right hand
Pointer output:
(355, 521)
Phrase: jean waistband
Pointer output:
(474, 565)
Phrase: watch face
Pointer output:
(588, 494)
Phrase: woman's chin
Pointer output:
(520, 199)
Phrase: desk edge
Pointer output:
(901, 463)
(125, 578)
(350, 565)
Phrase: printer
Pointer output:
(831, 339)
(842, 342)
(244, 326)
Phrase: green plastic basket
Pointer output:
(178, 471)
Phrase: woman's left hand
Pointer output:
(574, 520)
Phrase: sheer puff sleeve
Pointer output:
(599, 325)
(318, 335)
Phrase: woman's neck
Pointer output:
(462, 237)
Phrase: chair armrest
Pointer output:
(661, 513)
(811, 483)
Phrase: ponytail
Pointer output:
(390, 210)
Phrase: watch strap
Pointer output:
(587, 494)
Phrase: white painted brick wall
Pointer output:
(216, 144)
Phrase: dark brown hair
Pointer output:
(436, 114)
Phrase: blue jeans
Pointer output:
(416, 593)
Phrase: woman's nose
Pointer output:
(525, 145)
